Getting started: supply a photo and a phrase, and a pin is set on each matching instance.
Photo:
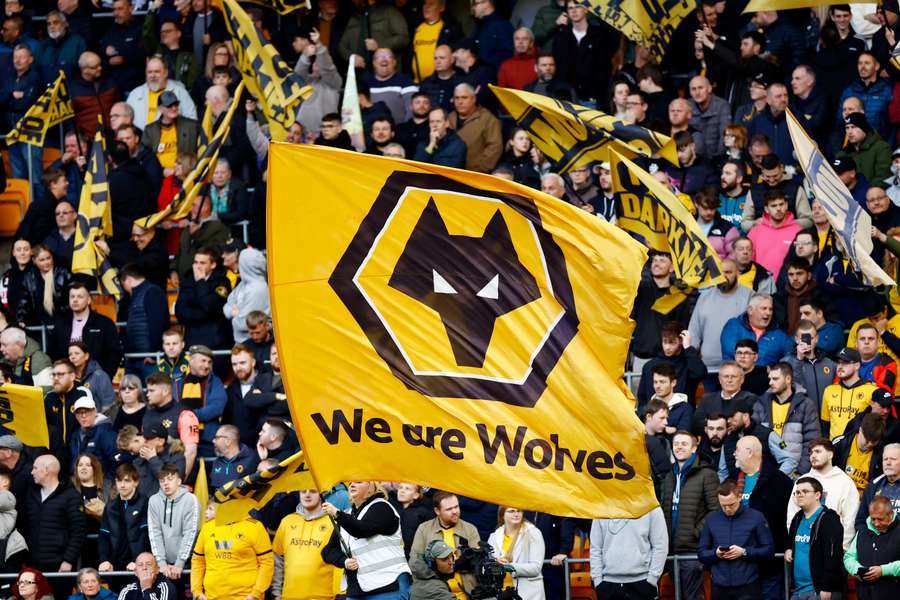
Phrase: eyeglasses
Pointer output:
(62, 374)
(27, 582)
(802, 492)
(745, 353)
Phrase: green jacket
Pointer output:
(187, 69)
(873, 158)
(385, 24)
(852, 565)
(212, 233)
(544, 26)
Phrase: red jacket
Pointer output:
(518, 71)
(88, 102)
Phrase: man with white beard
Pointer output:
(157, 81)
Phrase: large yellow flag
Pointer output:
(53, 107)
(95, 222)
(22, 414)
(180, 206)
(653, 213)
(649, 23)
(573, 136)
(275, 85)
(240, 496)
(852, 224)
(282, 7)
(455, 329)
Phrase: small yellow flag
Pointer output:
(22, 414)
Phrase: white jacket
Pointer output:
(139, 100)
(527, 559)
(840, 495)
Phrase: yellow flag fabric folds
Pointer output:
(852, 224)
(573, 136)
(180, 207)
(454, 329)
(256, 489)
(22, 414)
(758, 5)
(201, 486)
(278, 89)
(649, 23)
(95, 222)
(652, 212)
(53, 107)
(282, 7)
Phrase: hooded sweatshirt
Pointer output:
(629, 550)
(840, 495)
(298, 546)
(14, 541)
(252, 293)
(771, 242)
(681, 413)
(174, 524)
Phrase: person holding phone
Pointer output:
(732, 544)
(813, 370)
(874, 556)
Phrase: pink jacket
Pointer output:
(721, 235)
(771, 243)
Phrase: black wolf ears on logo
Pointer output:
(469, 281)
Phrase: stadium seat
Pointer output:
(50, 155)
(13, 203)
(105, 305)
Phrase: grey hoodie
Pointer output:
(173, 525)
(14, 540)
(629, 550)
(252, 293)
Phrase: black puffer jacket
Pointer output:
(697, 499)
(31, 298)
(56, 526)
(123, 531)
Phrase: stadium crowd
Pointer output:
(768, 400)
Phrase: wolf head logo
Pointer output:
(469, 281)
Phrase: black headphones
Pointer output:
(428, 556)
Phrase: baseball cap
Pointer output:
(895, 153)
(760, 78)
(466, 44)
(168, 99)
(437, 549)
(11, 442)
(849, 355)
(200, 349)
(843, 164)
(738, 405)
(232, 245)
(882, 397)
(858, 120)
(84, 402)
(155, 430)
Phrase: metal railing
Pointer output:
(674, 559)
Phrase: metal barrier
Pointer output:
(676, 581)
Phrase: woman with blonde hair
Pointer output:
(519, 544)
(367, 543)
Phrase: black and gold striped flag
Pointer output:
(649, 23)
(53, 107)
(180, 207)
(573, 136)
(95, 223)
(282, 7)
(276, 87)
(240, 496)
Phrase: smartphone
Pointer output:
(724, 548)
(861, 571)
(806, 338)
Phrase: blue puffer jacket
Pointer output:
(875, 97)
(747, 529)
(773, 344)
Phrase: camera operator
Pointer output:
(432, 572)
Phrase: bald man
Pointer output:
(710, 116)
(148, 579)
(55, 522)
(764, 488)
(144, 98)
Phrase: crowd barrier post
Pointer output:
(676, 577)
(568, 579)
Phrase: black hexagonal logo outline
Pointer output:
(563, 330)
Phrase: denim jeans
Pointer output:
(18, 162)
